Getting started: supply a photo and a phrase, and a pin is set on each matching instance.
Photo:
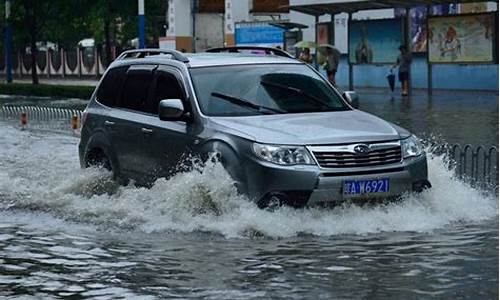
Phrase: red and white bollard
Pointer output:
(74, 124)
(24, 120)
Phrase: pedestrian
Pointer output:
(404, 63)
(306, 56)
(331, 64)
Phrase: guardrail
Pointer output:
(45, 118)
(477, 165)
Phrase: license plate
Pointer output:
(366, 187)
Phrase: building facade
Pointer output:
(196, 25)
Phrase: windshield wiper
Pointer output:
(246, 103)
(296, 91)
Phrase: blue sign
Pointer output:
(258, 34)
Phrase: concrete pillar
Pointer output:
(228, 24)
(316, 21)
(180, 25)
(234, 11)
(408, 44)
(351, 71)
(429, 64)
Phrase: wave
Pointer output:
(40, 174)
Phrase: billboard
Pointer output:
(418, 22)
(477, 7)
(375, 41)
(258, 34)
(418, 27)
(461, 39)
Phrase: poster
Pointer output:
(444, 9)
(418, 27)
(324, 33)
(461, 38)
(375, 41)
(418, 22)
(477, 7)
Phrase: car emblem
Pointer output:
(361, 149)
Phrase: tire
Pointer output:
(272, 202)
(97, 158)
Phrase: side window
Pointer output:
(136, 88)
(110, 87)
(167, 87)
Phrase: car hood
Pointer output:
(352, 126)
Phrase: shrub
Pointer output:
(47, 90)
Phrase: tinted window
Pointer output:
(110, 87)
(272, 88)
(136, 90)
(167, 87)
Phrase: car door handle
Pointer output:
(146, 130)
(108, 123)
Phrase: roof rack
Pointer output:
(140, 53)
(236, 49)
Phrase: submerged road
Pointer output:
(71, 232)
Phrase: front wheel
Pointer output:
(97, 158)
(272, 202)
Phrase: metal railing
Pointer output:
(43, 118)
(477, 165)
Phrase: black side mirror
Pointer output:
(171, 110)
(352, 98)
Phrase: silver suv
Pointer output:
(283, 133)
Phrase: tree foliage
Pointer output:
(112, 23)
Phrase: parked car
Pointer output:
(284, 134)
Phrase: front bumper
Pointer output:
(312, 185)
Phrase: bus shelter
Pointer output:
(434, 56)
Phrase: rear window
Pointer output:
(110, 87)
(136, 89)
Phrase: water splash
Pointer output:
(40, 174)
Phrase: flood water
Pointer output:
(71, 232)
(454, 117)
(463, 117)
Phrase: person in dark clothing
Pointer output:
(404, 63)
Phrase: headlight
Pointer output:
(411, 147)
(283, 155)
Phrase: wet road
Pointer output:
(447, 116)
(71, 232)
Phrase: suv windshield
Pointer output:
(263, 89)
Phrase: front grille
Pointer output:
(346, 157)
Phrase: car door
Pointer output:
(108, 94)
(169, 141)
(128, 118)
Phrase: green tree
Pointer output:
(28, 19)
(103, 19)
(114, 22)
(58, 21)
(109, 22)
(71, 24)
